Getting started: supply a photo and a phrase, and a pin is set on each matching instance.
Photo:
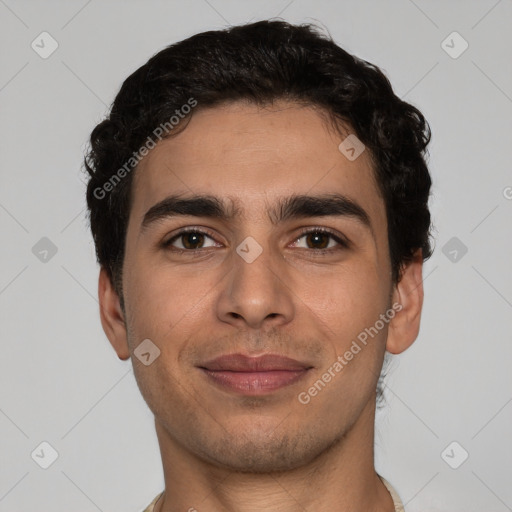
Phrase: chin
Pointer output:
(257, 452)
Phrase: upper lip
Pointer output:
(263, 363)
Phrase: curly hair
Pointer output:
(261, 62)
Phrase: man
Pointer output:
(259, 203)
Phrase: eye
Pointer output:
(317, 239)
(320, 239)
(191, 239)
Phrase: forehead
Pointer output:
(252, 153)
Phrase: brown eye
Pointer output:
(317, 240)
(190, 240)
(320, 240)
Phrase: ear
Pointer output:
(408, 292)
(112, 316)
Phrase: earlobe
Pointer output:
(112, 316)
(408, 293)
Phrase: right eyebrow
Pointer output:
(197, 206)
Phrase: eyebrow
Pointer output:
(287, 208)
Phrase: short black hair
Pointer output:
(260, 62)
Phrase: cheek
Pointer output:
(168, 306)
(153, 296)
(345, 314)
(348, 300)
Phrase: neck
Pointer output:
(342, 478)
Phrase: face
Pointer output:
(251, 234)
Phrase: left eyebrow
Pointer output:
(287, 208)
(328, 205)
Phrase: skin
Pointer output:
(223, 451)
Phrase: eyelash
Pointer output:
(344, 243)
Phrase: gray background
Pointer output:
(61, 381)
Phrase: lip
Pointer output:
(263, 363)
(254, 375)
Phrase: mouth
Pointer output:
(254, 375)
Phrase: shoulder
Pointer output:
(151, 506)
(396, 499)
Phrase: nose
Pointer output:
(255, 294)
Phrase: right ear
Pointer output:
(112, 316)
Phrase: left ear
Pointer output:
(405, 325)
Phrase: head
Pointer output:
(295, 245)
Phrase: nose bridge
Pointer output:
(255, 292)
(253, 266)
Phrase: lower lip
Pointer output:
(255, 383)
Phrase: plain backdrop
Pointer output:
(449, 397)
